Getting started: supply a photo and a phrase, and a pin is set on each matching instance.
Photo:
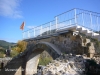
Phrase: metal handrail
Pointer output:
(76, 18)
(39, 25)
(87, 11)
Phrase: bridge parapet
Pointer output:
(88, 19)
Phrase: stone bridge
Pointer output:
(68, 42)
(62, 37)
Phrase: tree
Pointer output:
(21, 46)
(84, 41)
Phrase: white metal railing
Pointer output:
(88, 19)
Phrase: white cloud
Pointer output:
(10, 8)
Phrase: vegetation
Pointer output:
(44, 61)
(20, 47)
(45, 58)
(2, 52)
(95, 41)
(5, 44)
(84, 41)
(73, 38)
(15, 48)
(97, 45)
(14, 53)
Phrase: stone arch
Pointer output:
(33, 55)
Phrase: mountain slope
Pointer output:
(6, 44)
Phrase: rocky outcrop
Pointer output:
(5, 60)
(65, 65)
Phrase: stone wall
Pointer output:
(5, 60)
(14, 67)
(72, 43)
(67, 43)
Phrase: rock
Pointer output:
(73, 65)
(56, 64)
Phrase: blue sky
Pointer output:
(34, 13)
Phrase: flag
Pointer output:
(22, 26)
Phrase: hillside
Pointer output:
(6, 44)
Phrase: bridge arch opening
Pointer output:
(33, 56)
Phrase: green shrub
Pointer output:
(1, 55)
(2, 52)
(14, 53)
(44, 61)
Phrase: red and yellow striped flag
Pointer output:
(22, 26)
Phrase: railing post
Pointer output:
(28, 34)
(75, 16)
(91, 24)
(83, 19)
(34, 32)
(97, 24)
(47, 30)
(50, 27)
(56, 23)
(91, 21)
(70, 22)
(41, 31)
(23, 34)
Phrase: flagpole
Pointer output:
(22, 28)
(23, 31)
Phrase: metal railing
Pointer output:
(88, 19)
